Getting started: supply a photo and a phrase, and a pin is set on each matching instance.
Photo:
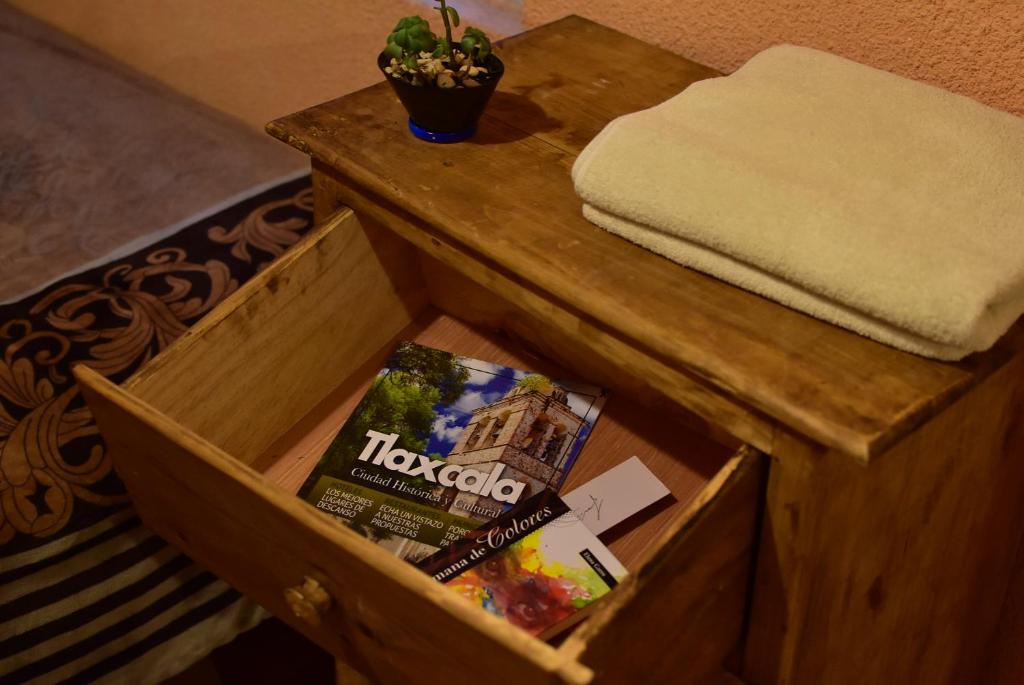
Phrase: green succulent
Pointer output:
(474, 39)
(411, 36)
(443, 48)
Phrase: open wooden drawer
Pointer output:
(215, 435)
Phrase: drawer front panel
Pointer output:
(386, 617)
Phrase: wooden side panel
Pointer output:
(386, 615)
(723, 678)
(346, 675)
(1008, 644)
(682, 613)
(271, 352)
(562, 332)
(894, 572)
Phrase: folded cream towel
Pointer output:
(883, 205)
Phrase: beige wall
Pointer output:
(259, 59)
(254, 59)
(974, 47)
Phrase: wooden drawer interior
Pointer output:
(624, 429)
(215, 435)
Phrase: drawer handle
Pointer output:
(308, 601)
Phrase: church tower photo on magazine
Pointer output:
(530, 431)
(441, 444)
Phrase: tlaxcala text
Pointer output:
(381, 449)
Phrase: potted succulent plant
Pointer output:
(443, 84)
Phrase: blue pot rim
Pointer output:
(440, 136)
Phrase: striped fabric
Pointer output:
(83, 608)
(87, 593)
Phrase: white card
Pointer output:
(615, 495)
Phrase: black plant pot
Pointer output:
(445, 115)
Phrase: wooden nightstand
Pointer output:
(874, 544)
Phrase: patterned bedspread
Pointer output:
(87, 592)
(97, 163)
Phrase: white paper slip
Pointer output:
(615, 495)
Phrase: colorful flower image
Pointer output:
(541, 580)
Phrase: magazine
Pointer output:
(441, 444)
(539, 566)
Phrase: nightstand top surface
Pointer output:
(506, 197)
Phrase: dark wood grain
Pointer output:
(897, 572)
(506, 199)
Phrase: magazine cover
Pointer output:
(538, 566)
(441, 444)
